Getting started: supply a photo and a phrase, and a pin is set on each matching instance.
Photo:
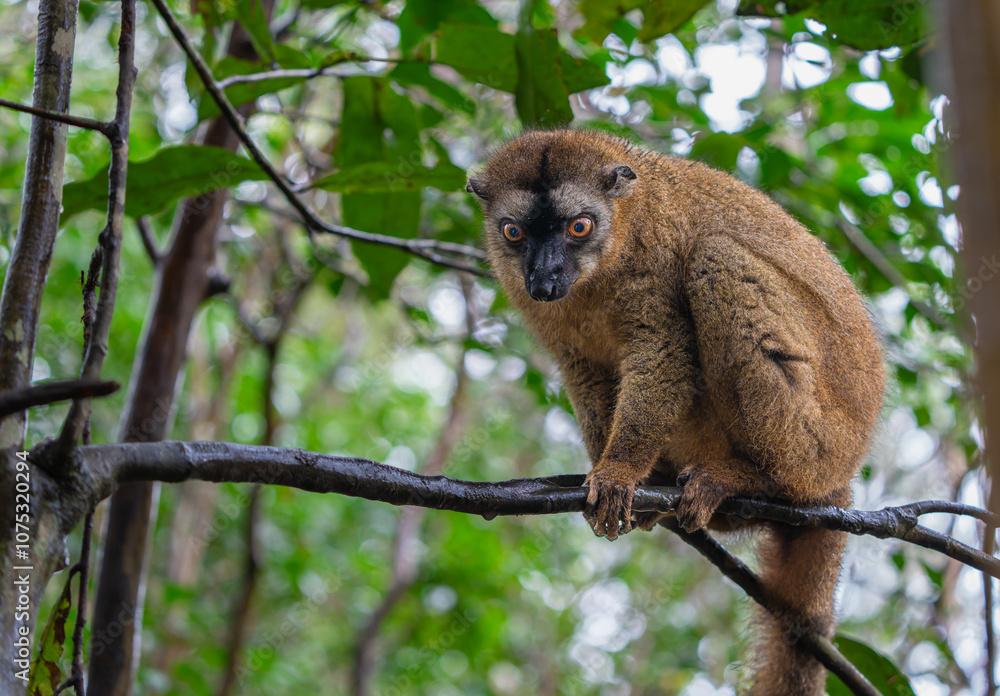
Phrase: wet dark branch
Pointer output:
(53, 392)
(107, 466)
(428, 249)
(896, 522)
(733, 568)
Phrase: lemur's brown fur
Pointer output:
(707, 339)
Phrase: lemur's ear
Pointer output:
(476, 186)
(618, 180)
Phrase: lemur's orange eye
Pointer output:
(580, 227)
(513, 232)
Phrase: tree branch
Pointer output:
(52, 392)
(20, 306)
(148, 242)
(311, 73)
(897, 522)
(75, 121)
(305, 73)
(103, 467)
(733, 568)
(426, 249)
(82, 568)
(107, 466)
(110, 239)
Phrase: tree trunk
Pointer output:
(19, 312)
(971, 30)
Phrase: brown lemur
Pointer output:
(706, 339)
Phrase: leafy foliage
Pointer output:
(883, 675)
(171, 174)
(658, 16)
(46, 676)
(857, 23)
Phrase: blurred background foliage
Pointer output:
(834, 107)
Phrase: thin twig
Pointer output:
(311, 73)
(948, 507)
(308, 73)
(148, 242)
(82, 569)
(418, 243)
(90, 284)
(52, 392)
(426, 249)
(733, 568)
(110, 238)
(898, 522)
(75, 121)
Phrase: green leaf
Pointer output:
(480, 54)
(877, 668)
(718, 150)
(541, 97)
(580, 74)
(865, 24)
(292, 58)
(905, 375)
(335, 284)
(659, 17)
(536, 383)
(46, 674)
(935, 575)
(254, 20)
(371, 107)
(429, 116)
(382, 177)
(490, 57)
(543, 15)
(421, 17)
(325, 4)
(171, 174)
(775, 167)
(418, 74)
